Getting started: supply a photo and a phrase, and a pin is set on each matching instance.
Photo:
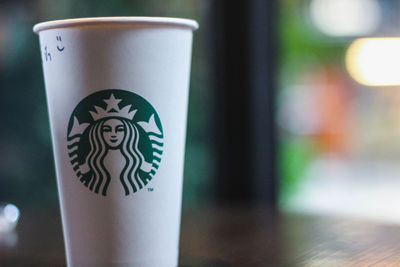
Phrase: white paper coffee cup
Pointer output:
(117, 92)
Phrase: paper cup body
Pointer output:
(117, 98)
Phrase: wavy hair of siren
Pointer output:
(129, 177)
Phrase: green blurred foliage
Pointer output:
(294, 157)
(302, 50)
(27, 175)
(300, 40)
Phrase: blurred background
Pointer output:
(294, 103)
(338, 108)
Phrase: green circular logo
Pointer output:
(114, 135)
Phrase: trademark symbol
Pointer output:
(150, 189)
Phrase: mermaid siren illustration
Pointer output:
(109, 148)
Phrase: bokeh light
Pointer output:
(346, 17)
(374, 61)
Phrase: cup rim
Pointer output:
(76, 22)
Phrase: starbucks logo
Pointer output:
(115, 142)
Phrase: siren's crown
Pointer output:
(112, 110)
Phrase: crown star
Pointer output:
(112, 110)
(112, 103)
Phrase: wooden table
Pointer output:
(231, 237)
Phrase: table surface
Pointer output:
(231, 237)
